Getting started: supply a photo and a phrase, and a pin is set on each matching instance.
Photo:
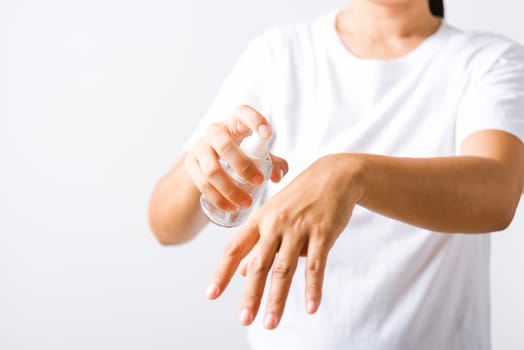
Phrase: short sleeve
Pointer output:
(246, 84)
(496, 100)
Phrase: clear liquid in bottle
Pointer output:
(256, 148)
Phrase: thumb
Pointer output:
(245, 121)
(280, 168)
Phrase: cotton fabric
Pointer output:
(388, 285)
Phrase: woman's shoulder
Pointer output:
(486, 45)
(482, 51)
(489, 41)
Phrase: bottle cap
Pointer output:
(255, 146)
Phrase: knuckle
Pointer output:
(189, 162)
(282, 270)
(257, 266)
(322, 228)
(301, 223)
(199, 147)
(244, 167)
(211, 170)
(223, 144)
(272, 222)
(214, 129)
(252, 298)
(280, 162)
(277, 302)
(315, 266)
(243, 109)
(232, 249)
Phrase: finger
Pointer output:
(226, 148)
(213, 173)
(316, 263)
(245, 120)
(235, 250)
(242, 269)
(206, 188)
(280, 168)
(258, 267)
(281, 277)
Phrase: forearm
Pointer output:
(455, 194)
(174, 210)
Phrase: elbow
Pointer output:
(500, 225)
(170, 226)
(157, 225)
(158, 231)
(503, 218)
(172, 210)
(165, 230)
(505, 206)
(163, 235)
(162, 238)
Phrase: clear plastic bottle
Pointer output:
(256, 148)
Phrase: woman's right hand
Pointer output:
(222, 140)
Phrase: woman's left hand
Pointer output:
(304, 219)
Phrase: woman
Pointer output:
(404, 142)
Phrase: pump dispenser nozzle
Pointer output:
(255, 146)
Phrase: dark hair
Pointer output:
(437, 7)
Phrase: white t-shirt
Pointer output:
(388, 285)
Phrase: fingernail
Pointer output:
(245, 317)
(281, 172)
(212, 291)
(270, 321)
(311, 306)
(258, 179)
(264, 130)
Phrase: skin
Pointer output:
(176, 219)
(476, 192)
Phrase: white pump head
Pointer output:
(255, 147)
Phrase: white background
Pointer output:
(96, 98)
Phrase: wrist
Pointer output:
(353, 169)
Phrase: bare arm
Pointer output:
(174, 210)
(175, 215)
(476, 192)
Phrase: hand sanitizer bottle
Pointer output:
(256, 148)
